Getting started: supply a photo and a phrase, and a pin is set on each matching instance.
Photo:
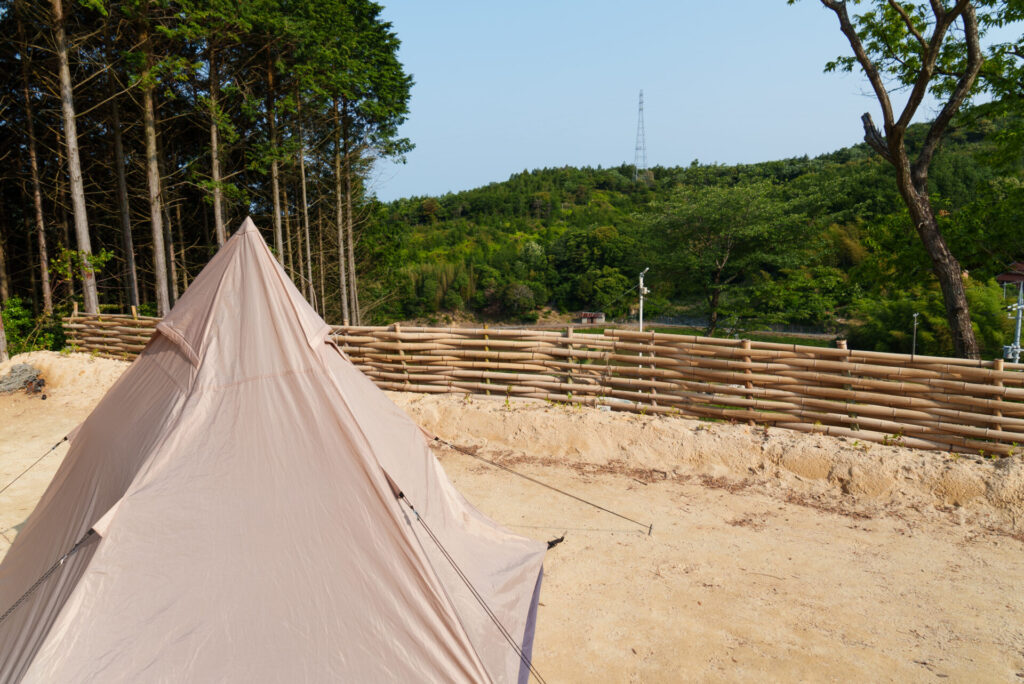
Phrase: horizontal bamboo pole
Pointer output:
(663, 352)
(874, 357)
(936, 402)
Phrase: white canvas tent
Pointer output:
(232, 508)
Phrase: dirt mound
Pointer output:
(834, 471)
(78, 374)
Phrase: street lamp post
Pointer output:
(643, 291)
(913, 348)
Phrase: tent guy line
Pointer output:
(480, 599)
(46, 575)
(20, 475)
(463, 450)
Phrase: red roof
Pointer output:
(1014, 275)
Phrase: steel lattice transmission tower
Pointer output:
(640, 160)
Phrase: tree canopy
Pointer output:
(190, 114)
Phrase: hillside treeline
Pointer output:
(823, 242)
(137, 134)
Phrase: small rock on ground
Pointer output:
(20, 376)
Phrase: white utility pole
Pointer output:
(913, 348)
(643, 291)
(1012, 352)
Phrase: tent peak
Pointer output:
(248, 226)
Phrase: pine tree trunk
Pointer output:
(172, 262)
(307, 272)
(339, 201)
(62, 220)
(3, 336)
(286, 219)
(218, 193)
(32, 274)
(127, 242)
(350, 235)
(37, 193)
(5, 291)
(320, 259)
(181, 243)
(349, 150)
(92, 304)
(153, 180)
(274, 183)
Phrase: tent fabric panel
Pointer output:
(105, 455)
(235, 557)
(503, 567)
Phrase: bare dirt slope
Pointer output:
(774, 555)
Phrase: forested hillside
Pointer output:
(800, 241)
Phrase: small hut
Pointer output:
(590, 317)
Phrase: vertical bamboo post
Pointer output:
(74, 333)
(572, 360)
(135, 313)
(841, 344)
(745, 345)
(997, 365)
(654, 399)
(401, 352)
(487, 348)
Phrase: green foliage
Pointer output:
(896, 35)
(812, 296)
(806, 241)
(69, 262)
(887, 324)
(715, 241)
(517, 299)
(27, 332)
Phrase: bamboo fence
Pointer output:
(918, 401)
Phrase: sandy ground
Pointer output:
(774, 555)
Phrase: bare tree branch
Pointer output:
(928, 59)
(963, 87)
(874, 138)
(870, 70)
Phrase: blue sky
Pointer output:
(507, 86)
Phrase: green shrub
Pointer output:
(888, 324)
(27, 332)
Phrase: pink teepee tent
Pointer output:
(231, 511)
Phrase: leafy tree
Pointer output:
(807, 296)
(517, 299)
(715, 240)
(604, 289)
(921, 48)
(888, 324)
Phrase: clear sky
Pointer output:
(503, 86)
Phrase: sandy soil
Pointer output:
(774, 555)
